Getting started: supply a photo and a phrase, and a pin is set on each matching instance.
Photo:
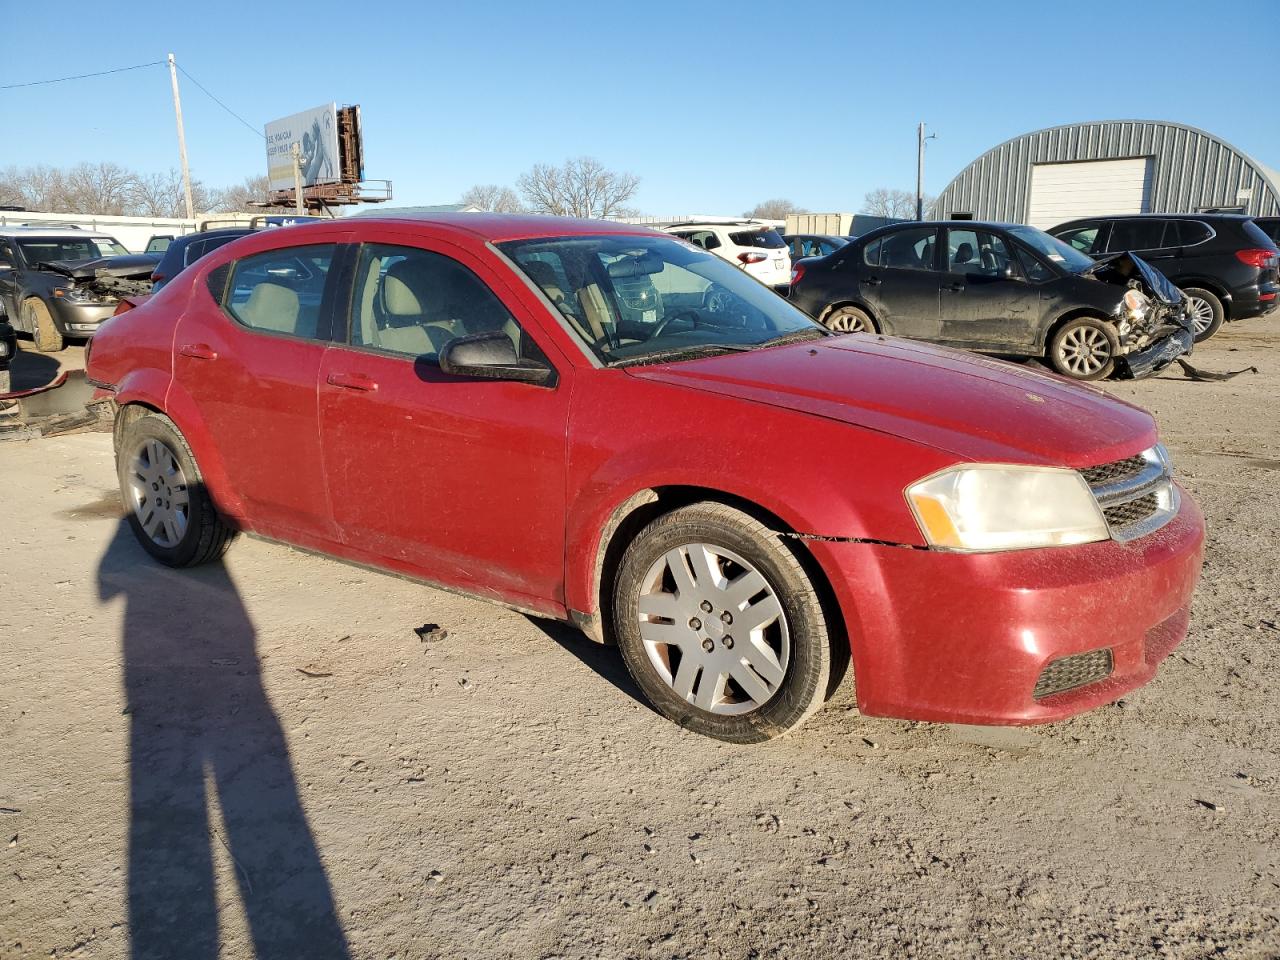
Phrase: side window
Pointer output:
(977, 253)
(281, 290)
(909, 249)
(1186, 233)
(6, 255)
(706, 239)
(1136, 235)
(871, 252)
(412, 302)
(1033, 268)
(1084, 239)
(195, 250)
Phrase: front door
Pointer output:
(986, 302)
(250, 366)
(460, 481)
(899, 281)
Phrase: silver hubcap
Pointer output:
(846, 321)
(1085, 350)
(714, 629)
(160, 498)
(1201, 314)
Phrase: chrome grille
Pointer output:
(1111, 472)
(1137, 495)
(1068, 673)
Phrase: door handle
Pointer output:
(198, 351)
(872, 281)
(352, 381)
(954, 287)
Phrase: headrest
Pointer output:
(543, 274)
(272, 306)
(405, 289)
(964, 253)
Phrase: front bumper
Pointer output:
(79, 319)
(1153, 359)
(963, 638)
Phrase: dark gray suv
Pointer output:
(1223, 262)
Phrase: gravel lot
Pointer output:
(309, 778)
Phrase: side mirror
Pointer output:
(490, 356)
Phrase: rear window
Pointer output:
(1269, 226)
(768, 239)
(1256, 234)
(1186, 233)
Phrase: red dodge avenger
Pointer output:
(605, 425)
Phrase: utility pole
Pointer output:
(182, 139)
(921, 138)
(296, 151)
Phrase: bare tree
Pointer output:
(161, 195)
(491, 197)
(776, 209)
(582, 187)
(244, 195)
(102, 187)
(883, 202)
(34, 188)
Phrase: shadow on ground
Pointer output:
(208, 768)
(604, 660)
(31, 369)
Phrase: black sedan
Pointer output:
(1003, 289)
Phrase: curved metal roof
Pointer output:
(1193, 169)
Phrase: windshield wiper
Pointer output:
(796, 336)
(682, 353)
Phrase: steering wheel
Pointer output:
(716, 299)
(689, 312)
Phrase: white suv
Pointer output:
(754, 247)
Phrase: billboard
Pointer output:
(316, 133)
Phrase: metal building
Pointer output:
(1109, 167)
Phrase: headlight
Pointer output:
(996, 507)
(1136, 304)
(77, 295)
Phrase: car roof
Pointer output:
(206, 234)
(54, 234)
(905, 224)
(491, 227)
(1165, 216)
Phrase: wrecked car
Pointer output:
(742, 500)
(1002, 289)
(57, 284)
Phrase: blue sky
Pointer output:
(715, 105)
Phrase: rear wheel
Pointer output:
(40, 322)
(720, 626)
(168, 507)
(849, 319)
(1084, 349)
(1207, 312)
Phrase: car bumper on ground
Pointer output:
(965, 638)
(80, 319)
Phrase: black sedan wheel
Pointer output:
(1084, 349)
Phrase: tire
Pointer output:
(1207, 312)
(690, 643)
(1084, 349)
(43, 330)
(849, 319)
(156, 468)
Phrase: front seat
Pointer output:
(271, 306)
(406, 296)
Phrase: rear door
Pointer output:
(459, 480)
(898, 278)
(249, 361)
(986, 302)
(1144, 236)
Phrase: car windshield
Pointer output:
(655, 299)
(1054, 250)
(49, 249)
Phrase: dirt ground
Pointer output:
(264, 759)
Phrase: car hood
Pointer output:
(969, 406)
(123, 266)
(1123, 265)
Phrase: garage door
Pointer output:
(1064, 191)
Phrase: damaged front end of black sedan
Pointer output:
(1153, 319)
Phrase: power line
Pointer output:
(83, 76)
(219, 102)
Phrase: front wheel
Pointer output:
(43, 330)
(720, 626)
(1084, 349)
(168, 507)
(1207, 313)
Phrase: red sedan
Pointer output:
(598, 423)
